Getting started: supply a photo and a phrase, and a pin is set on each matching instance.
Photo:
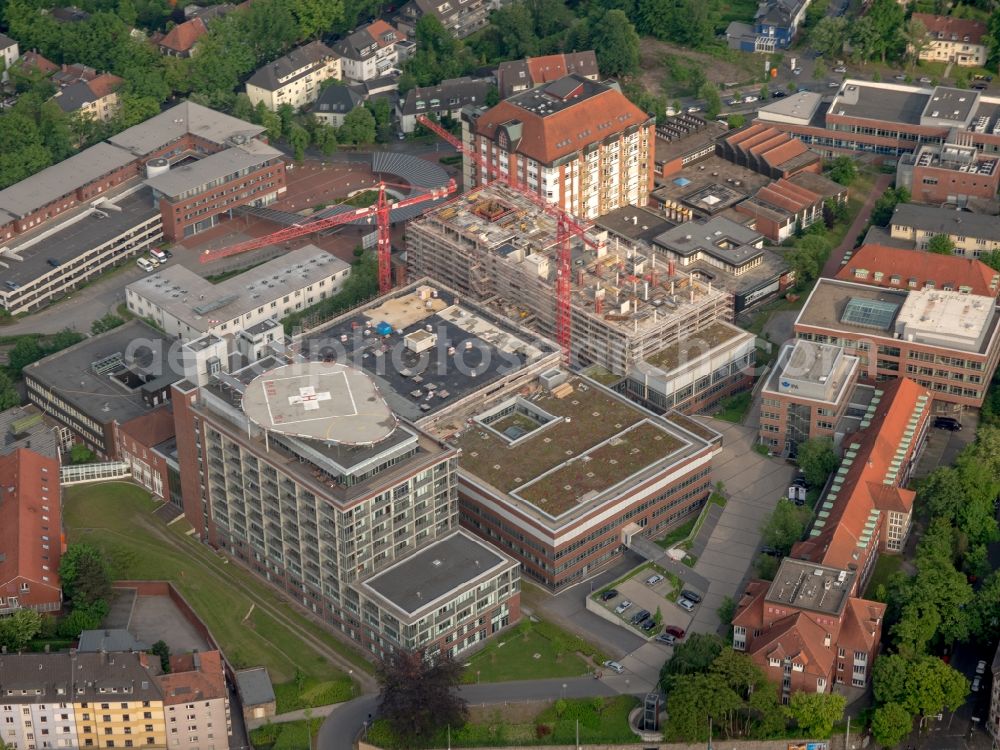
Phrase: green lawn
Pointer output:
(116, 518)
(735, 408)
(292, 735)
(676, 535)
(885, 567)
(601, 721)
(309, 692)
(511, 656)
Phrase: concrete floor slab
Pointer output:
(155, 618)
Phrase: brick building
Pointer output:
(787, 206)
(515, 76)
(953, 172)
(31, 535)
(810, 628)
(943, 338)
(768, 151)
(897, 268)
(137, 439)
(576, 143)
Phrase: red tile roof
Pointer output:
(30, 521)
(184, 36)
(799, 638)
(922, 267)
(105, 84)
(193, 677)
(550, 137)
(837, 544)
(384, 34)
(947, 26)
(34, 61)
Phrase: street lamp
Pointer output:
(564, 691)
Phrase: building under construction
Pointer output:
(497, 247)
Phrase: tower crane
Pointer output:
(380, 210)
(567, 227)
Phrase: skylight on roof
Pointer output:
(869, 313)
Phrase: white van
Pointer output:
(144, 264)
(158, 254)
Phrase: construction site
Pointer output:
(500, 249)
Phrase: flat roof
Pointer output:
(687, 184)
(635, 223)
(319, 401)
(176, 122)
(75, 238)
(100, 395)
(813, 371)
(200, 304)
(435, 573)
(798, 107)
(703, 340)
(59, 180)
(179, 180)
(888, 102)
(694, 140)
(561, 450)
(418, 384)
(818, 588)
(717, 236)
(826, 304)
(25, 427)
(949, 106)
(255, 686)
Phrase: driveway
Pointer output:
(753, 485)
(942, 446)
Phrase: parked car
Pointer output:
(749, 99)
(770, 551)
(981, 666)
(686, 604)
(675, 631)
(654, 579)
(158, 254)
(666, 638)
(614, 666)
(608, 595)
(833, 85)
(692, 595)
(53, 262)
(925, 79)
(976, 683)
(144, 264)
(167, 253)
(778, 95)
(947, 423)
(648, 624)
(639, 616)
(800, 480)
(840, 69)
(900, 77)
(622, 606)
(980, 86)
(797, 71)
(691, 110)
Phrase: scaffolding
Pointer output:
(498, 248)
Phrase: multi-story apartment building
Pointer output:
(9, 52)
(187, 306)
(195, 197)
(372, 51)
(898, 268)
(887, 119)
(103, 382)
(806, 394)
(971, 234)
(952, 40)
(579, 144)
(514, 76)
(96, 98)
(31, 535)
(953, 172)
(100, 700)
(460, 17)
(774, 27)
(944, 339)
(295, 78)
(559, 474)
(810, 628)
(444, 100)
(338, 506)
(498, 247)
(196, 702)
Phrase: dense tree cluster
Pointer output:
(419, 695)
(86, 585)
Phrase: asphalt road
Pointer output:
(345, 723)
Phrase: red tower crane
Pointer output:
(380, 210)
(566, 228)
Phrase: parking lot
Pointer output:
(661, 596)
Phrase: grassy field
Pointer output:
(676, 535)
(885, 568)
(512, 656)
(116, 518)
(735, 408)
(292, 735)
(601, 721)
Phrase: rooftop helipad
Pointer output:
(319, 401)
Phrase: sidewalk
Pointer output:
(833, 263)
(318, 712)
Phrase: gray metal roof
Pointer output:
(215, 166)
(465, 90)
(60, 180)
(176, 122)
(254, 686)
(92, 641)
(74, 96)
(297, 63)
(47, 678)
(946, 221)
(6, 41)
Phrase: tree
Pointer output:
(88, 617)
(808, 257)
(817, 459)
(162, 650)
(84, 575)
(891, 724)
(317, 17)
(80, 454)
(916, 38)
(816, 713)
(358, 127)
(9, 397)
(922, 686)
(420, 695)
(324, 138)
(25, 351)
(843, 170)
(17, 630)
(834, 211)
(984, 614)
(690, 657)
(886, 204)
(616, 44)
(940, 244)
(713, 101)
(784, 526)
(887, 19)
(106, 323)
(298, 139)
(864, 38)
(695, 699)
